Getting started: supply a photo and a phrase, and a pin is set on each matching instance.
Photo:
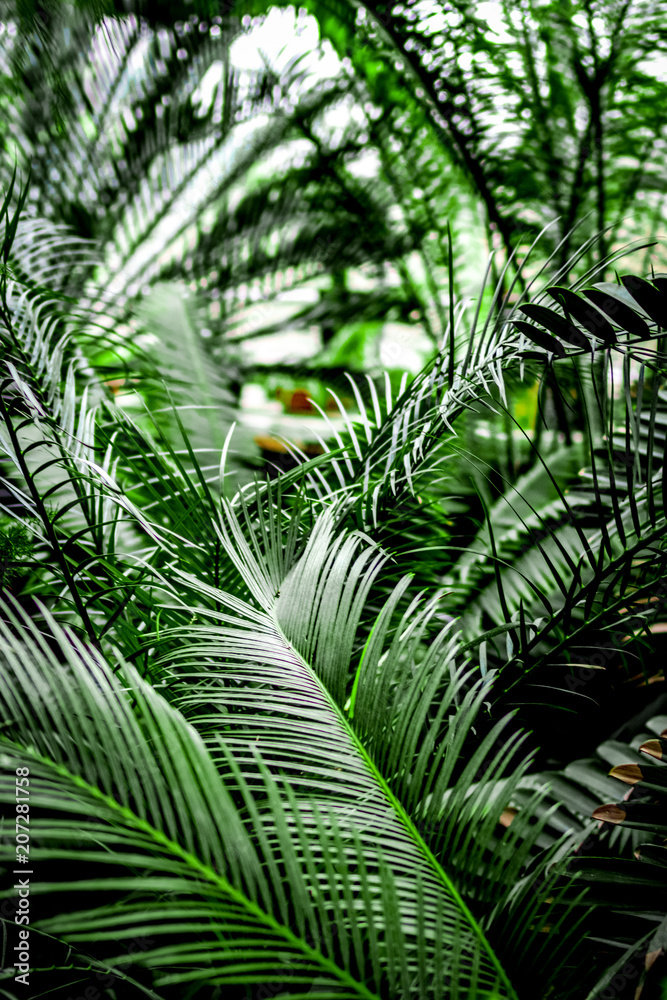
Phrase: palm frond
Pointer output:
(278, 677)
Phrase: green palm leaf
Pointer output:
(277, 678)
(157, 802)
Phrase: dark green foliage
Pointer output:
(15, 546)
(277, 612)
(341, 732)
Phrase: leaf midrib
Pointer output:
(404, 817)
(130, 818)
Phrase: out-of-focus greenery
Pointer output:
(495, 119)
(330, 171)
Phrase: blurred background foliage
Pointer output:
(292, 174)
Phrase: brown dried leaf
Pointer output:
(652, 748)
(629, 773)
(610, 814)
